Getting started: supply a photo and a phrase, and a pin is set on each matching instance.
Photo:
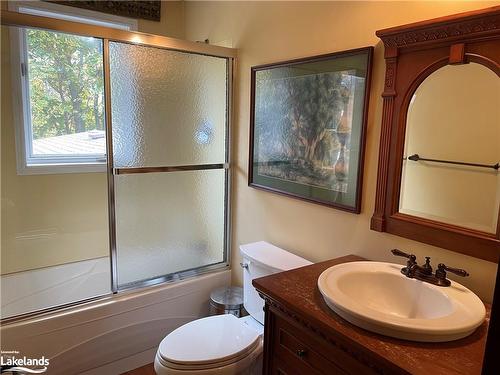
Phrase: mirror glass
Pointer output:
(454, 116)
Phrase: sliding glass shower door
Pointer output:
(115, 161)
(169, 125)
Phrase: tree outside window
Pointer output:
(66, 94)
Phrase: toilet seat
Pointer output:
(216, 366)
(208, 343)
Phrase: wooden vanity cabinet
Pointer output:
(302, 336)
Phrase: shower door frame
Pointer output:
(107, 35)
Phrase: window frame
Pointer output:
(50, 164)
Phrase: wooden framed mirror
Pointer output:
(439, 173)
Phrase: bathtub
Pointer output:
(38, 289)
(114, 334)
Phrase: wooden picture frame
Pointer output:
(308, 127)
(412, 53)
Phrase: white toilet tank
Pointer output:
(262, 259)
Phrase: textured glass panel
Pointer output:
(168, 107)
(168, 222)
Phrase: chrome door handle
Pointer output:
(244, 265)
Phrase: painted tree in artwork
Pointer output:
(315, 105)
(295, 113)
(66, 83)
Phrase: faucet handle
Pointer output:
(442, 268)
(427, 268)
(412, 258)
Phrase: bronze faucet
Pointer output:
(424, 272)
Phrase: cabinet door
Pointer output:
(291, 347)
(295, 351)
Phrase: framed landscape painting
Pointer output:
(308, 125)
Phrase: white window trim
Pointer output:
(20, 88)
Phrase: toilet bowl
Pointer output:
(225, 344)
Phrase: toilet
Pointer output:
(225, 344)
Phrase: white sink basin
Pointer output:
(377, 297)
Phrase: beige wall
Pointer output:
(454, 115)
(171, 24)
(267, 32)
(55, 219)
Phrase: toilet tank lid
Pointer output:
(272, 256)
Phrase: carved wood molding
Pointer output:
(148, 10)
(358, 356)
(442, 29)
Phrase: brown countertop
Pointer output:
(297, 291)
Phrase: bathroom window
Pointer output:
(60, 106)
